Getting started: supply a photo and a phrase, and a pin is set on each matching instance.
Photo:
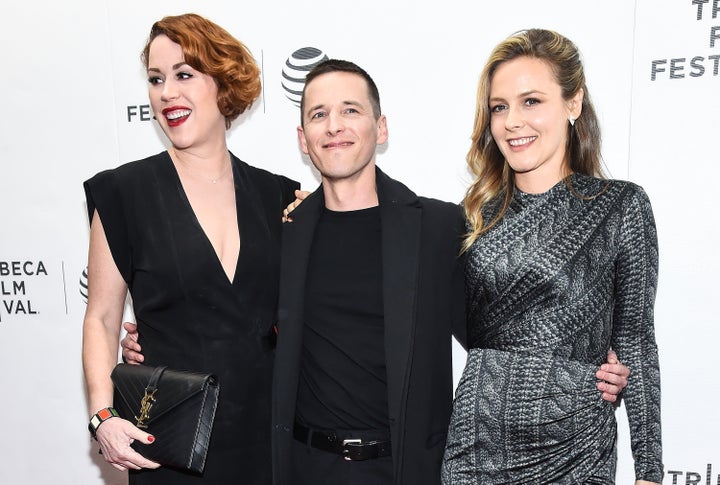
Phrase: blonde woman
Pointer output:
(562, 265)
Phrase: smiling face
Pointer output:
(340, 132)
(183, 99)
(529, 121)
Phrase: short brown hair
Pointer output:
(339, 65)
(211, 50)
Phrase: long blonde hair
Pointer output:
(493, 176)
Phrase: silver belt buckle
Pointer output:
(356, 441)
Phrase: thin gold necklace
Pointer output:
(225, 170)
(195, 172)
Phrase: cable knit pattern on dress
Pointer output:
(564, 276)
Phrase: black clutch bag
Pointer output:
(176, 407)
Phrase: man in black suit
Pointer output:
(371, 292)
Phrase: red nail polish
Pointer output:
(151, 438)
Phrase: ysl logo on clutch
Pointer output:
(147, 402)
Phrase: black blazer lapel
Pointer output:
(296, 244)
(401, 222)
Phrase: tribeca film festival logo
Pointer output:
(680, 67)
(13, 287)
(141, 112)
(296, 68)
(693, 478)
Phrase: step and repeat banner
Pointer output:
(75, 102)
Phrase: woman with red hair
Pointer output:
(193, 233)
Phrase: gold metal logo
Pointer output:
(147, 402)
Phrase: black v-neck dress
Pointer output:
(189, 315)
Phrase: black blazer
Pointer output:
(424, 305)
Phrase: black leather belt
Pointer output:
(351, 449)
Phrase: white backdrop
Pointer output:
(73, 92)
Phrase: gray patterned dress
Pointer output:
(564, 276)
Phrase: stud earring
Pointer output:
(572, 121)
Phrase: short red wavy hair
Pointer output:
(211, 50)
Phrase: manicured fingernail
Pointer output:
(151, 438)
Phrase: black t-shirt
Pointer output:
(343, 383)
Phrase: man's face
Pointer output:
(340, 132)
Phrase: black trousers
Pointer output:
(311, 466)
